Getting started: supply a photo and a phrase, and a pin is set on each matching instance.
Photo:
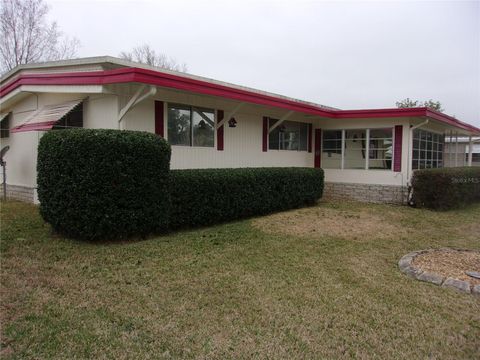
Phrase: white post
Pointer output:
(367, 148)
(456, 148)
(470, 150)
(343, 150)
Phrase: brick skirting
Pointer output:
(391, 194)
(22, 193)
(360, 192)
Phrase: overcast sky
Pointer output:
(349, 55)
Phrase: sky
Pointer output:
(345, 54)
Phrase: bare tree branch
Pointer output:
(26, 36)
(146, 55)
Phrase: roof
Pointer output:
(122, 71)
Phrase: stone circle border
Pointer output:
(406, 266)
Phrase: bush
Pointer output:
(208, 196)
(446, 188)
(95, 184)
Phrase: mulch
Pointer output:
(450, 263)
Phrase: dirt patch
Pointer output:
(450, 263)
(319, 222)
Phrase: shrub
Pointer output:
(96, 184)
(208, 196)
(446, 188)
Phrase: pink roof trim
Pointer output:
(157, 78)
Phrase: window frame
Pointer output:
(191, 108)
(274, 121)
(426, 149)
(367, 139)
(5, 132)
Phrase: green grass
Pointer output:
(235, 291)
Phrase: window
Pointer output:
(332, 149)
(427, 151)
(191, 126)
(289, 135)
(5, 126)
(73, 119)
(378, 143)
(380, 150)
(355, 147)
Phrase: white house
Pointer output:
(458, 151)
(366, 154)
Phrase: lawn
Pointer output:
(320, 282)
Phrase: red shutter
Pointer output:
(265, 134)
(220, 116)
(310, 127)
(397, 150)
(159, 119)
(318, 148)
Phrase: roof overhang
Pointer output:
(203, 86)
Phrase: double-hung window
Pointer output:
(191, 126)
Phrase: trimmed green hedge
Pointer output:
(96, 184)
(110, 184)
(446, 188)
(208, 196)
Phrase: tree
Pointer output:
(146, 55)
(26, 36)
(435, 105)
(408, 103)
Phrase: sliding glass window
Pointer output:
(289, 135)
(332, 149)
(378, 143)
(191, 126)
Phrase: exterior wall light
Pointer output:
(232, 122)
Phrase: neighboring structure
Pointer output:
(367, 154)
(457, 151)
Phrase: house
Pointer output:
(457, 151)
(366, 154)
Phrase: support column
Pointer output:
(456, 149)
(470, 151)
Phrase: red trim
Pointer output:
(220, 130)
(34, 127)
(159, 119)
(397, 150)
(265, 134)
(318, 148)
(127, 75)
(310, 130)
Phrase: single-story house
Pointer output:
(458, 151)
(367, 154)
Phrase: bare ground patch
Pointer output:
(319, 222)
(450, 263)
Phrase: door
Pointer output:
(318, 148)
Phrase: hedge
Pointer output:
(110, 184)
(208, 196)
(96, 184)
(446, 188)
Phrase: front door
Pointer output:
(318, 148)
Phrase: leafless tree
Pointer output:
(26, 36)
(146, 55)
